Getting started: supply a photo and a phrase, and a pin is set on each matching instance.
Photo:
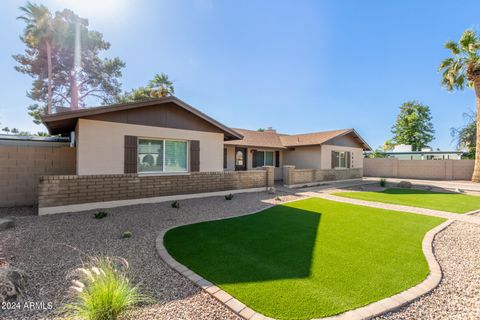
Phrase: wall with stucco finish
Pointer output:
(100, 145)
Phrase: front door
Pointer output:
(240, 159)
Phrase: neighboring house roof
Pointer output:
(65, 122)
(251, 138)
(271, 139)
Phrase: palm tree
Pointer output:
(40, 32)
(462, 70)
(161, 86)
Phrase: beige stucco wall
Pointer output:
(356, 153)
(303, 157)
(100, 145)
(419, 169)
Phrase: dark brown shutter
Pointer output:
(224, 158)
(349, 158)
(277, 159)
(194, 156)
(333, 159)
(130, 161)
(254, 159)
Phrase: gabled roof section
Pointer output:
(318, 138)
(262, 139)
(271, 139)
(65, 122)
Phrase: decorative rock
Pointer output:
(6, 224)
(12, 284)
(272, 190)
(404, 184)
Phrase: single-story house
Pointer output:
(168, 136)
(164, 149)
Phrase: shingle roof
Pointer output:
(251, 138)
(271, 139)
(314, 138)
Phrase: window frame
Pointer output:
(338, 165)
(265, 157)
(163, 172)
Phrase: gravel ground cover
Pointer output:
(458, 295)
(47, 247)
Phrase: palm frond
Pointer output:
(453, 47)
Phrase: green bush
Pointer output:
(277, 198)
(175, 204)
(102, 290)
(126, 234)
(229, 196)
(383, 182)
(100, 215)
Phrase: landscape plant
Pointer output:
(101, 290)
(383, 182)
(462, 70)
(100, 215)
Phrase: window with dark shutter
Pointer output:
(349, 159)
(254, 159)
(277, 159)
(224, 158)
(194, 156)
(130, 158)
(334, 159)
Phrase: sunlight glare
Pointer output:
(100, 9)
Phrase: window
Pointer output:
(340, 159)
(162, 155)
(264, 158)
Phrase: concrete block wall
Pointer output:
(418, 169)
(293, 176)
(21, 164)
(66, 190)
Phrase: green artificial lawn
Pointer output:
(451, 202)
(307, 259)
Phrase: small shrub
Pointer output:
(126, 234)
(277, 198)
(175, 204)
(229, 196)
(102, 290)
(100, 215)
(383, 182)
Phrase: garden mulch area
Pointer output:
(48, 247)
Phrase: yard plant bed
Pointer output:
(451, 202)
(307, 259)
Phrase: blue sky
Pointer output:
(298, 66)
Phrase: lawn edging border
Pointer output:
(222, 296)
(366, 312)
(406, 297)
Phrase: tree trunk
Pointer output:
(476, 170)
(73, 91)
(49, 66)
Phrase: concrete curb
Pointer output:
(366, 312)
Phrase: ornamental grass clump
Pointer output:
(102, 290)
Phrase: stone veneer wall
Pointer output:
(74, 189)
(22, 162)
(418, 169)
(292, 176)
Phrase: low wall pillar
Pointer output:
(270, 175)
(288, 172)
